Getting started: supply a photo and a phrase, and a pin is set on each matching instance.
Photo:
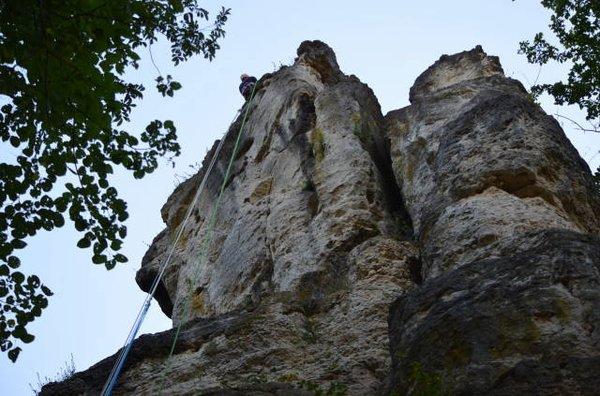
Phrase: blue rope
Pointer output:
(114, 375)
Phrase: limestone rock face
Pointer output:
(448, 246)
(480, 164)
(311, 243)
(504, 213)
(525, 323)
(309, 183)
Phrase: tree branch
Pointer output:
(581, 128)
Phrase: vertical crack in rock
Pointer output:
(415, 268)
(392, 193)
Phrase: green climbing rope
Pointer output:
(207, 238)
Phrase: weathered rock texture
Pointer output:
(480, 165)
(503, 211)
(448, 246)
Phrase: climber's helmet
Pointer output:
(243, 76)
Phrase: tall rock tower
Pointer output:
(450, 246)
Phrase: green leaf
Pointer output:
(98, 258)
(47, 291)
(14, 262)
(84, 243)
(18, 244)
(110, 264)
(59, 220)
(576, 38)
(27, 338)
(21, 333)
(116, 245)
(80, 225)
(13, 354)
(33, 280)
(18, 277)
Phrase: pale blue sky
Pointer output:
(387, 44)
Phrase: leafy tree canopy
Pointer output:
(577, 28)
(576, 25)
(64, 98)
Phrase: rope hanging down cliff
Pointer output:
(207, 238)
(122, 357)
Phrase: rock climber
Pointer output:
(247, 85)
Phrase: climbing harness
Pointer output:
(122, 357)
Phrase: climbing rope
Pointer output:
(207, 239)
(122, 357)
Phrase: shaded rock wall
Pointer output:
(502, 208)
(466, 219)
(526, 323)
(480, 164)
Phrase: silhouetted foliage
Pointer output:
(576, 26)
(64, 98)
